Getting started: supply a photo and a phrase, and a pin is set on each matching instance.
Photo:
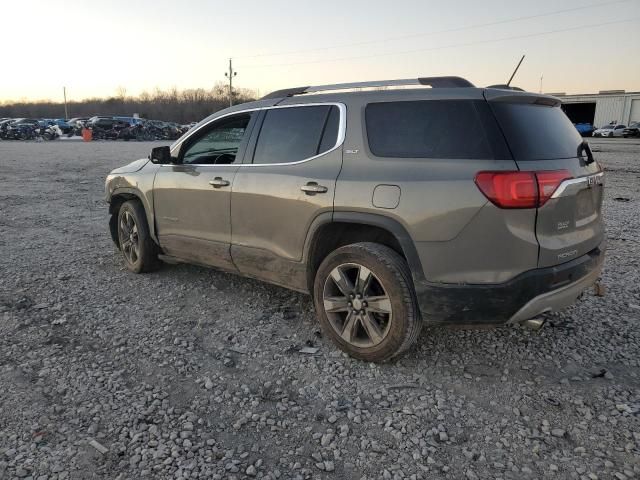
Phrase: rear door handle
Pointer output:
(312, 188)
(219, 182)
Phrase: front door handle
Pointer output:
(312, 188)
(219, 182)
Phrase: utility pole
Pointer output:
(230, 74)
(66, 112)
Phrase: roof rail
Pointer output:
(501, 86)
(287, 92)
(433, 82)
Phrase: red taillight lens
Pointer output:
(520, 189)
(548, 182)
(509, 189)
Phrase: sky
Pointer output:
(95, 48)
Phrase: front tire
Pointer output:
(138, 249)
(366, 303)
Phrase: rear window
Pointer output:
(537, 132)
(445, 129)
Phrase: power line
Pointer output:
(442, 47)
(437, 32)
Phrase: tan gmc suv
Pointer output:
(437, 202)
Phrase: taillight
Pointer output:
(549, 181)
(508, 189)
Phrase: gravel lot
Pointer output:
(192, 373)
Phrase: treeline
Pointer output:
(182, 106)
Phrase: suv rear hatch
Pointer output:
(543, 141)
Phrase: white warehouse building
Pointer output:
(602, 108)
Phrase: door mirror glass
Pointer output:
(160, 155)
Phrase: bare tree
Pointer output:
(121, 93)
(171, 105)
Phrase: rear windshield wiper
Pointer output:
(584, 147)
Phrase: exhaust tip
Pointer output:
(534, 324)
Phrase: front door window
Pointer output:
(218, 144)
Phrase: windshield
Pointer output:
(607, 127)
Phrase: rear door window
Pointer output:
(330, 135)
(537, 132)
(444, 129)
(293, 134)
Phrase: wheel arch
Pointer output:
(117, 198)
(331, 231)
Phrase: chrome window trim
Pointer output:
(342, 129)
(566, 184)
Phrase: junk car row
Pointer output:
(102, 127)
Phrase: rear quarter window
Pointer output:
(537, 132)
(443, 129)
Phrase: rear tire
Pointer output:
(138, 249)
(366, 303)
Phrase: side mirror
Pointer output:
(160, 155)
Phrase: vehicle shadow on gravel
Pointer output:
(291, 312)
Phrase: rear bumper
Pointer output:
(525, 296)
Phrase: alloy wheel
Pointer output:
(357, 305)
(129, 238)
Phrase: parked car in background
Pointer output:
(36, 122)
(611, 130)
(159, 130)
(105, 123)
(26, 121)
(77, 121)
(61, 123)
(130, 120)
(4, 124)
(51, 132)
(64, 125)
(632, 130)
(584, 129)
(23, 129)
